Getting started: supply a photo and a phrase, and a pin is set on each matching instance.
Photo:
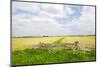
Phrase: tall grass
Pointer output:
(40, 56)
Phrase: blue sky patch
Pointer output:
(68, 18)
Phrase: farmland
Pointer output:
(23, 43)
(23, 51)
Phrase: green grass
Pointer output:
(40, 56)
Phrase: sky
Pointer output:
(42, 19)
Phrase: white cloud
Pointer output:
(36, 26)
(30, 7)
(69, 11)
(46, 24)
(86, 22)
(52, 10)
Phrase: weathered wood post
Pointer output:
(75, 46)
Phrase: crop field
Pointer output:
(23, 51)
(23, 43)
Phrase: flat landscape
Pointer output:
(52, 33)
(23, 43)
(38, 50)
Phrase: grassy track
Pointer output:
(59, 40)
(39, 56)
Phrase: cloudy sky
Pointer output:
(41, 19)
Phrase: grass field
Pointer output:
(23, 53)
(34, 56)
(23, 43)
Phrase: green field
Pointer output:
(23, 52)
(34, 56)
(23, 43)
